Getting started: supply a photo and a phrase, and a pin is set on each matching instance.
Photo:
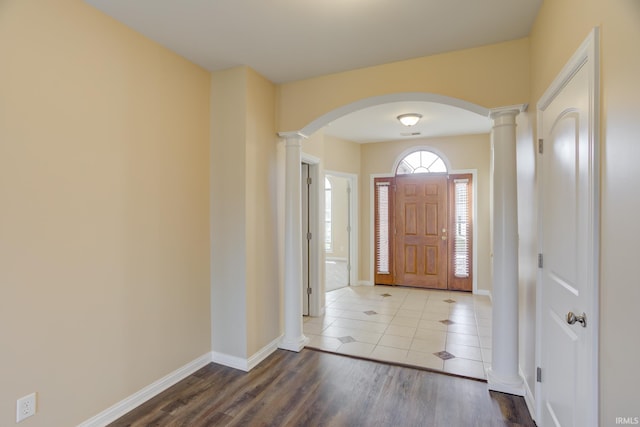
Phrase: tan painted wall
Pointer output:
(228, 205)
(341, 155)
(489, 76)
(263, 286)
(559, 29)
(314, 145)
(245, 281)
(463, 152)
(104, 249)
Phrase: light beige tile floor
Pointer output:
(407, 325)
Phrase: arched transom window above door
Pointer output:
(421, 161)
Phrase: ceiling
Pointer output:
(288, 40)
(380, 123)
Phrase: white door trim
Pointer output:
(315, 248)
(586, 55)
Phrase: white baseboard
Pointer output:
(234, 362)
(246, 364)
(529, 398)
(138, 398)
(295, 344)
(484, 292)
(263, 353)
(513, 385)
(364, 283)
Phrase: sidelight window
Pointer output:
(461, 228)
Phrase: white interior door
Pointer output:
(569, 231)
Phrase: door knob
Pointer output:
(572, 318)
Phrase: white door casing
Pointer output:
(568, 183)
(316, 252)
(306, 241)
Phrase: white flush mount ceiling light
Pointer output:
(409, 119)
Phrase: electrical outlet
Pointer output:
(26, 407)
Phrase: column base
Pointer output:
(295, 344)
(512, 385)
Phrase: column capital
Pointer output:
(511, 110)
(292, 137)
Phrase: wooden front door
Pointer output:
(421, 231)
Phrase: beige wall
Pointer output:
(245, 283)
(104, 248)
(228, 207)
(263, 286)
(559, 29)
(463, 152)
(489, 76)
(341, 155)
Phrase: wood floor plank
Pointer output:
(313, 388)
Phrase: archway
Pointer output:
(329, 117)
(504, 375)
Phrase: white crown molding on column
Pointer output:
(295, 134)
(509, 109)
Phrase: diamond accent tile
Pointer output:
(347, 339)
(449, 300)
(370, 312)
(385, 295)
(444, 355)
(447, 322)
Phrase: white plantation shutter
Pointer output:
(382, 228)
(462, 220)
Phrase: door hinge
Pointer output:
(540, 261)
(539, 374)
(308, 180)
(540, 145)
(308, 291)
(309, 236)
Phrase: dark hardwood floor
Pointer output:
(313, 388)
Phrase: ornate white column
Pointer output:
(293, 339)
(504, 373)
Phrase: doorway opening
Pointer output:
(340, 230)
(311, 240)
(423, 225)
